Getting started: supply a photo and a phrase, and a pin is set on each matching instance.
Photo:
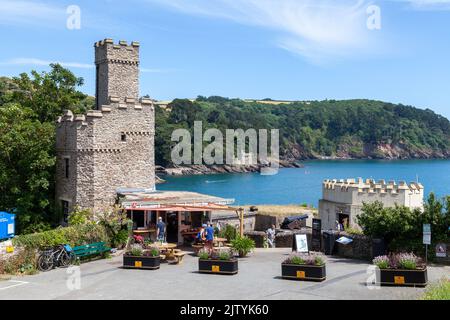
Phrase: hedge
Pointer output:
(74, 236)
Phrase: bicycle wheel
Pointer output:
(45, 262)
(66, 259)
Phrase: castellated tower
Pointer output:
(110, 148)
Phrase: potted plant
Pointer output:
(243, 245)
(401, 269)
(137, 258)
(218, 262)
(309, 267)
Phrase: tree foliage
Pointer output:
(401, 227)
(29, 106)
(354, 128)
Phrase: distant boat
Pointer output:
(215, 181)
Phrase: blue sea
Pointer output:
(303, 185)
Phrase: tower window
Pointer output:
(123, 137)
(65, 210)
(66, 167)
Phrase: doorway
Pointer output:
(171, 227)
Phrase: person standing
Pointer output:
(209, 235)
(160, 230)
(271, 236)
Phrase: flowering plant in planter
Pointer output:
(152, 252)
(401, 269)
(220, 262)
(300, 266)
(138, 258)
(312, 259)
(138, 239)
(135, 251)
(406, 261)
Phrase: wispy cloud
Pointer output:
(23, 12)
(315, 29)
(79, 65)
(428, 4)
(40, 62)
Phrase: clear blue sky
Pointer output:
(282, 49)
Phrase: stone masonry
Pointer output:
(110, 148)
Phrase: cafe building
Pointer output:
(183, 212)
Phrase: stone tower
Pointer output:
(110, 148)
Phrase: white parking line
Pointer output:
(18, 283)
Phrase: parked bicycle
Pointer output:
(58, 256)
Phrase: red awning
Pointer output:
(209, 207)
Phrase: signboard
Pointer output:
(10, 228)
(344, 240)
(441, 250)
(300, 243)
(316, 240)
(426, 234)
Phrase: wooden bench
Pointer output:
(90, 250)
(179, 256)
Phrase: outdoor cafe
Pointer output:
(183, 213)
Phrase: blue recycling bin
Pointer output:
(7, 225)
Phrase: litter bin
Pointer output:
(378, 247)
(328, 242)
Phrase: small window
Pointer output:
(123, 137)
(65, 210)
(67, 167)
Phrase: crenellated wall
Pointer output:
(117, 68)
(345, 198)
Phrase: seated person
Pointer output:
(200, 238)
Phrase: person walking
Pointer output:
(209, 235)
(160, 230)
(271, 236)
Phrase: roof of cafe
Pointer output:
(172, 201)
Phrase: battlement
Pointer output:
(130, 104)
(371, 186)
(121, 53)
(117, 71)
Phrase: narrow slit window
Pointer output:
(67, 167)
(123, 137)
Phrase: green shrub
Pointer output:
(229, 232)
(22, 262)
(203, 254)
(439, 291)
(136, 251)
(224, 255)
(80, 216)
(243, 245)
(297, 260)
(74, 236)
(319, 260)
(120, 239)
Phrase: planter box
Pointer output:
(303, 272)
(218, 266)
(131, 262)
(397, 277)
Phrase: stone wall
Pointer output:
(258, 236)
(112, 147)
(117, 70)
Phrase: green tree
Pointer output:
(26, 167)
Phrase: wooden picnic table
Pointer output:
(220, 241)
(167, 248)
